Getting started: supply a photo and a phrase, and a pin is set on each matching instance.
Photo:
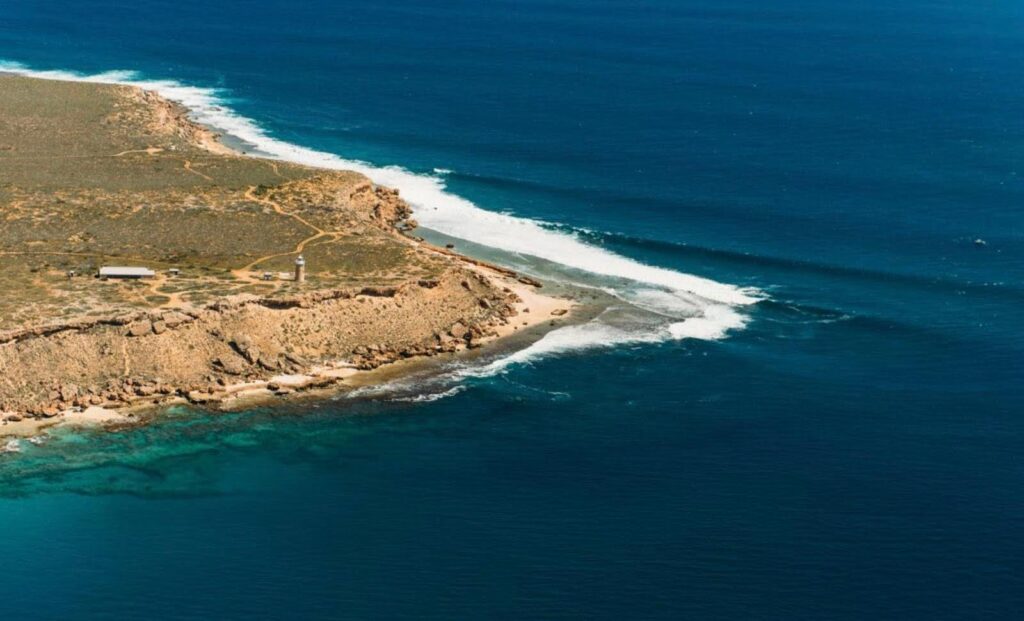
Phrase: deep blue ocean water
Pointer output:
(853, 452)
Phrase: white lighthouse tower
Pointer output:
(300, 269)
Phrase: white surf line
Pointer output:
(447, 213)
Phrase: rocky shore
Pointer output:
(86, 371)
(149, 186)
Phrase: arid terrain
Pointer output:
(101, 175)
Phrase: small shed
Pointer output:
(126, 272)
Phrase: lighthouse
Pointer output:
(300, 269)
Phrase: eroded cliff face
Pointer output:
(196, 353)
(161, 117)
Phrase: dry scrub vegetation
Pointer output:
(96, 175)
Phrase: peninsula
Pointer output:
(96, 176)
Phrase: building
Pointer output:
(300, 269)
(126, 272)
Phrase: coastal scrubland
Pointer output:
(94, 175)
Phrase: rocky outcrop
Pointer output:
(384, 205)
(145, 357)
(168, 118)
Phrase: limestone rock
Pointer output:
(68, 392)
(230, 365)
(140, 328)
(244, 346)
(174, 319)
(459, 330)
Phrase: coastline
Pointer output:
(521, 308)
(536, 314)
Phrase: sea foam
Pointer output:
(587, 336)
(693, 306)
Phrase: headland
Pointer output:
(98, 175)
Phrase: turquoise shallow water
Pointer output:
(852, 452)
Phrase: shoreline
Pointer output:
(320, 381)
(526, 310)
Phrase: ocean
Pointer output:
(806, 403)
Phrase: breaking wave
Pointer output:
(429, 397)
(587, 336)
(690, 306)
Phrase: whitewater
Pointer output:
(687, 306)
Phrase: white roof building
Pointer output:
(126, 272)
